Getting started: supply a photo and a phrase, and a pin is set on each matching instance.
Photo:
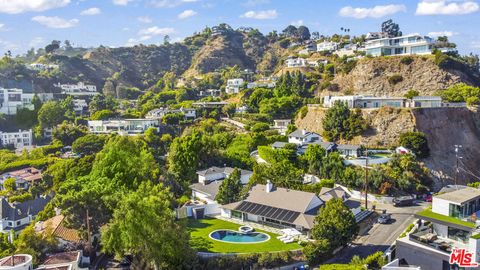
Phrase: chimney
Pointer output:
(269, 187)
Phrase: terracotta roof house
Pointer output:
(24, 177)
(70, 260)
(277, 207)
(56, 226)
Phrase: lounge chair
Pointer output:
(288, 240)
(281, 236)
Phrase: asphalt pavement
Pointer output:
(380, 236)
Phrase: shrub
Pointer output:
(394, 79)
(259, 127)
(415, 141)
(411, 93)
(316, 252)
(303, 112)
(473, 100)
(406, 60)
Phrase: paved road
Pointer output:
(380, 236)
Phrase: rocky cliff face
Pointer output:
(371, 76)
(444, 128)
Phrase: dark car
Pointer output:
(384, 218)
(403, 201)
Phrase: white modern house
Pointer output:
(329, 46)
(13, 99)
(80, 106)
(302, 136)
(190, 113)
(210, 93)
(20, 139)
(41, 67)
(209, 182)
(234, 85)
(79, 89)
(281, 125)
(299, 62)
(404, 45)
(426, 102)
(122, 126)
(16, 216)
(451, 223)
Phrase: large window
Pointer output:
(454, 210)
(458, 235)
(236, 214)
(419, 49)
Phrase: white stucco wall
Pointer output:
(440, 206)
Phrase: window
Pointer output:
(454, 210)
(236, 214)
(458, 235)
(419, 49)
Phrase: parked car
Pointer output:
(384, 218)
(428, 198)
(403, 201)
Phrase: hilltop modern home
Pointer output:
(281, 125)
(20, 139)
(234, 85)
(16, 216)
(209, 182)
(122, 126)
(189, 113)
(404, 45)
(79, 89)
(368, 102)
(13, 99)
(451, 223)
(329, 46)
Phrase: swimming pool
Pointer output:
(231, 236)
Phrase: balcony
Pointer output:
(430, 239)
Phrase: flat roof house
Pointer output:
(404, 45)
(13, 99)
(365, 102)
(426, 102)
(277, 207)
(20, 139)
(452, 224)
(234, 85)
(122, 126)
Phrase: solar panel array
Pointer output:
(267, 211)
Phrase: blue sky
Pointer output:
(28, 23)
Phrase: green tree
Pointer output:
(183, 158)
(415, 141)
(89, 144)
(335, 223)
(230, 189)
(260, 127)
(35, 244)
(10, 185)
(317, 251)
(411, 94)
(102, 115)
(313, 157)
(51, 114)
(67, 133)
(134, 228)
(341, 123)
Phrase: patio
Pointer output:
(200, 240)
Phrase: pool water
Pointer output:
(238, 237)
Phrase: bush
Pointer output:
(303, 112)
(316, 252)
(415, 141)
(406, 60)
(394, 79)
(259, 127)
(473, 101)
(411, 93)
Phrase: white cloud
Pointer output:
(3, 28)
(91, 11)
(21, 6)
(187, 14)
(297, 23)
(6, 45)
(442, 33)
(156, 31)
(190, 1)
(144, 19)
(55, 22)
(121, 2)
(475, 45)
(444, 7)
(261, 14)
(375, 12)
(37, 42)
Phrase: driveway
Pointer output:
(380, 236)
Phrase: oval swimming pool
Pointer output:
(231, 236)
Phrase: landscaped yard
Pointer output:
(200, 240)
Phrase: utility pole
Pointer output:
(366, 178)
(88, 231)
(457, 147)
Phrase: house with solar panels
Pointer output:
(276, 207)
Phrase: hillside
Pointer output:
(386, 125)
(371, 76)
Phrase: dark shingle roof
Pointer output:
(16, 211)
(210, 189)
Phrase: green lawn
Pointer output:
(200, 240)
(427, 213)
